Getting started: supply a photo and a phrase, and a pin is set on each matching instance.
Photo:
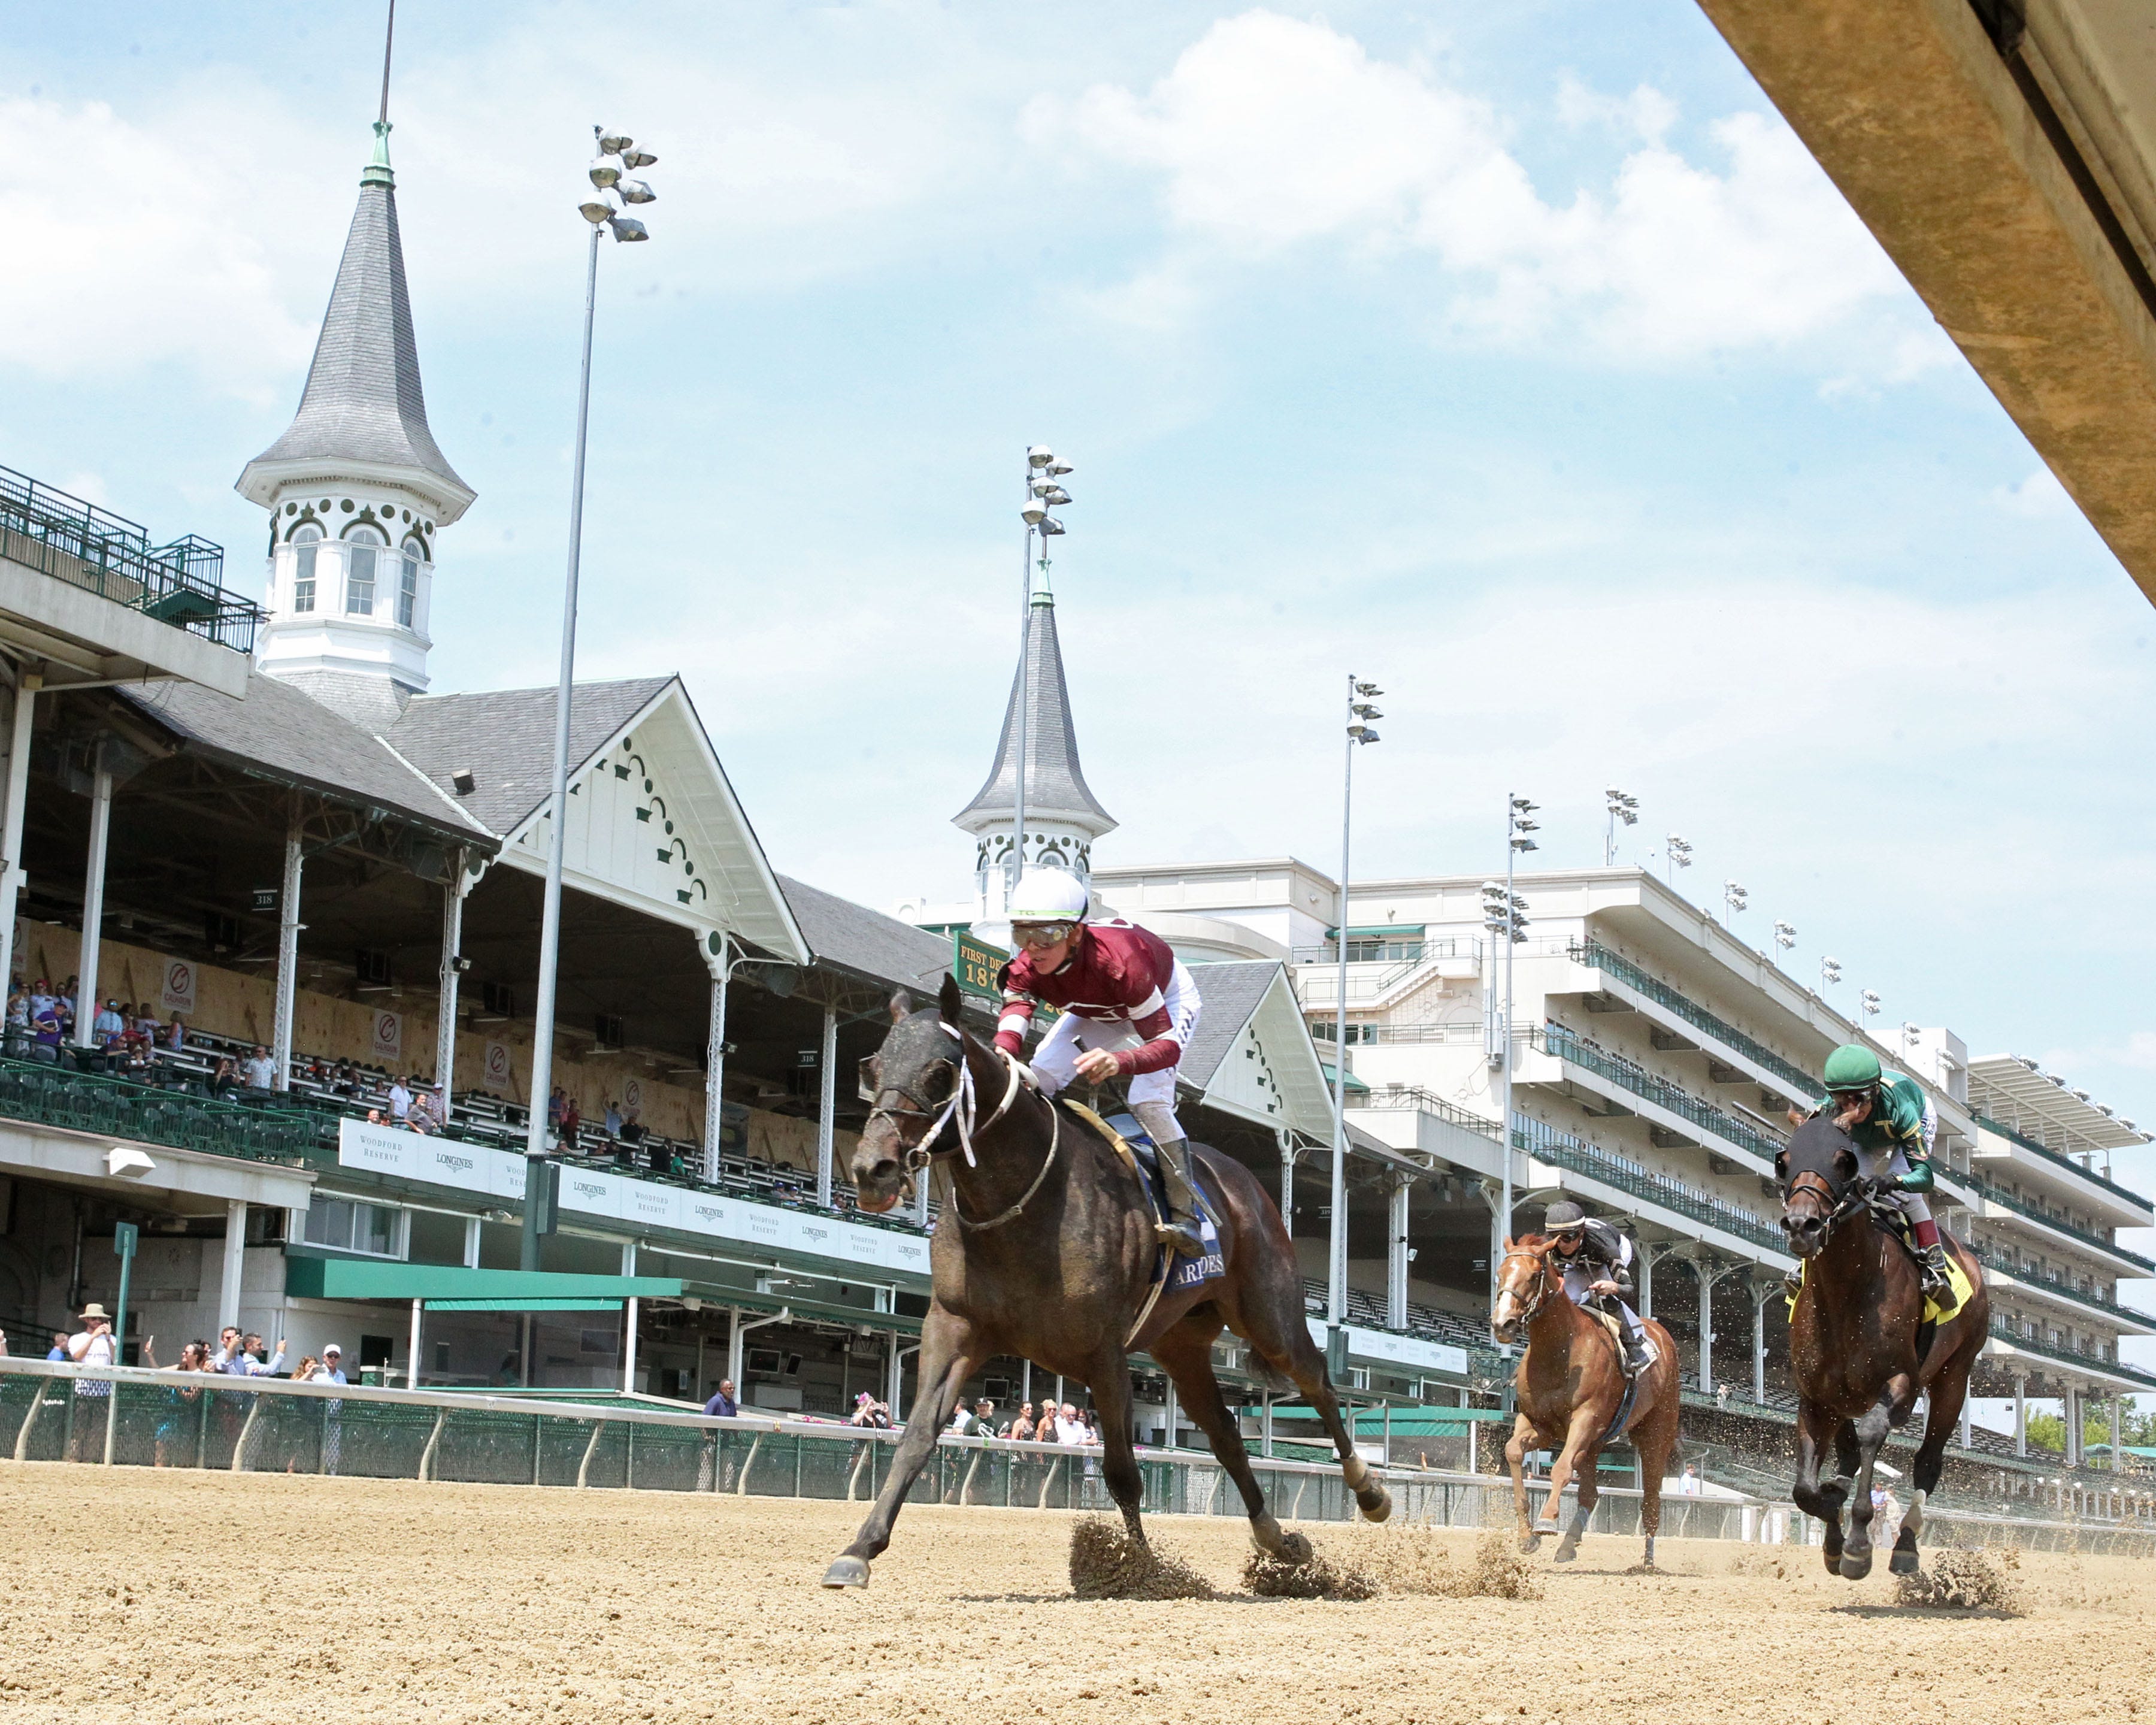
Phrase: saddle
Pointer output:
(1648, 1352)
(1937, 1309)
(1173, 1274)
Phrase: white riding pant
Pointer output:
(1888, 1164)
(1579, 1289)
(1153, 1094)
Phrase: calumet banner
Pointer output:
(499, 1174)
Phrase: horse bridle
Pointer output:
(960, 1108)
(1857, 1195)
(1544, 1281)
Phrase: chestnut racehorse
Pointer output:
(1856, 1350)
(1570, 1389)
(1046, 1251)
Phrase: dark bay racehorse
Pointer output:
(1570, 1390)
(1046, 1251)
(1858, 1356)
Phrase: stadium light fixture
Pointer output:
(1785, 935)
(1359, 734)
(1871, 999)
(1623, 807)
(1738, 898)
(1829, 974)
(1677, 849)
(1043, 467)
(597, 209)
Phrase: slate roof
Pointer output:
(363, 402)
(1231, 994)
(850, 935)
(1055, 787)
(506, 737)
(298, 738)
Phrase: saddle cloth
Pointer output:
(1133, 1144)
(1936, 1310)
(1648, 1352)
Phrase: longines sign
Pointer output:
(499, 1173)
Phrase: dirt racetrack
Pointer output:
(154, 1596)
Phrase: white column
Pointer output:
(93, 902)
(628, 1351)
(412, 1376)
(235, 1261)
(445, 1017)
(11, 807)
(2116, 1439)
(1396, 1253)
(827, 1116)
(715, 1063)
(2071, 1406)
(734, 1350)
(1706, 1280)
(288, 959)
(471, 1242)
(1760, 1296)
(1964, 1422)
(1287, 1155)
(2021, 1417)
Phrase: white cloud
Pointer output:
(135, 247)
(1270, 134)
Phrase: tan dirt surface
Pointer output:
(134, 1594)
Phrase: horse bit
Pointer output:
(960, 1110)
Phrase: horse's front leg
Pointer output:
(1816, 1430)
(1516, 1455)
(950, 1353)
(1870, 1428)
(1580, 1451)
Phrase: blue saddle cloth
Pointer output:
(1182, 1273)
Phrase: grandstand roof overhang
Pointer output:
(1252, 1055)
(2018, 1093)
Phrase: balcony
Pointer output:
(1992, 1194)
(1378, 970)
(2003, 1332)
(1546, 1144)
(2052, 1156)
(1566, 1045)
(1595, 956)
(2043, 1283)
(102, 554)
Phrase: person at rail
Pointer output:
(1129, 1010)
(1894, 1126)
(1594, 1257)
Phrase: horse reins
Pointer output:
(1542, 1281)
(959, 1109)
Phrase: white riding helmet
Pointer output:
(1048, 895)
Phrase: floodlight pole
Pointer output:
(1015, 866)
(1505, 1045)
(550, 921)
(1336, 1284)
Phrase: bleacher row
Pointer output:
(1367, 1311)
(332, 1088)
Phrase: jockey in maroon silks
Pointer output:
(1129, 1010)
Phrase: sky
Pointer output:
(1517, 359)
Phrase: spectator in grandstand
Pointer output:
(330, 1368)
(722, 1405)
(613, 1118)
(332, 1371)
(107, 1025)
(41, 995)
(572, 1121)
(1020, 1429)
(344, 1081)
(557, 1104)
(225, 1079)
(260, 1071)
(964, 1421)
(426, 1110)
(1688, 1482)
(174, 1035)
(59, 1350)
(18, 1042)
(400, 1102)
(46, 1031)
(172, 1418)
(984, 1416)
(1092, 1426)
(92, 1345)
(632, 1128)
(1070, 1428)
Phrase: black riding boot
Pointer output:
(1931, 1266)
(1180, 1229)
(1635, 1353)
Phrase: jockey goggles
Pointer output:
(1042, 934)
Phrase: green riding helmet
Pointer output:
(1852, 1068)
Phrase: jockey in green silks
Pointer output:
(1893, 1125)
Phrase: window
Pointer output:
(347, 1225)
(408, 587)
(363, 549)
(305, 547)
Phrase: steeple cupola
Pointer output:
(1062, 817)
(357, 490)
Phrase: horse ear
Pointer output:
(1845, 1163)
(1782, 1162)
(949, 1001)
(1797, 1115)
(1508, 1243)
(902, 1003)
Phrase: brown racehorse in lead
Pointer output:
(1570, 1390)
(1856, 1349)
(1046, 1251)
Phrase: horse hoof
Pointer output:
(1904, 1562)
(1855, 1565)
(1565, 1555)
(847, 1572)
(1376, 1504)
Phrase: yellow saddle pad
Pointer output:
(1959, 1291)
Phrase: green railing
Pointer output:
(2047, 1283)
(91, 548)
(2036, 1213)
(2067, 1163)
(2070, 1356)
(1566, 1046)
(50, 1095)
(1597, 957)
(1410, 1096)
(1546, 1144)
